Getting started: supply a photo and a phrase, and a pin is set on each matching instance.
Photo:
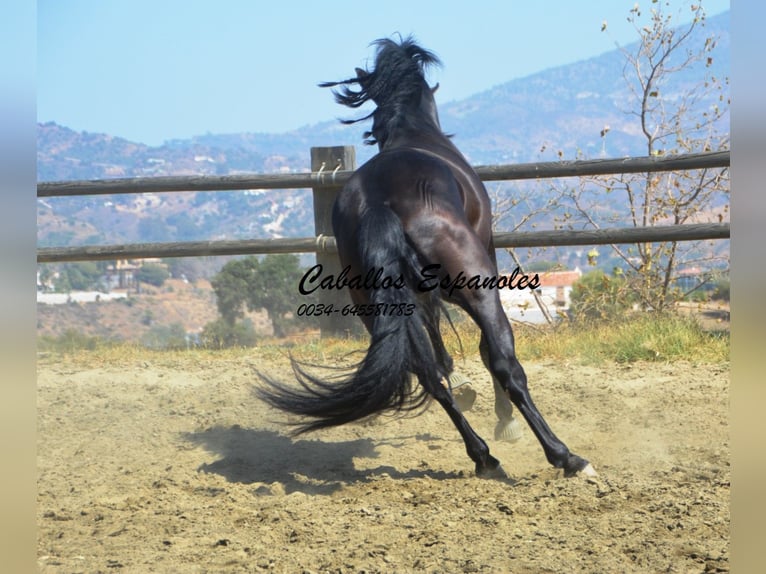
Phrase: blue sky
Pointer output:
(150, 70)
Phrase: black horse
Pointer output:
(419, 215)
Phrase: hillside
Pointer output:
(190, 305)
(556, 113)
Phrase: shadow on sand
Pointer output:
(311, 466)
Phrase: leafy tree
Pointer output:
(46, 274)
(232, 287)
(276, 288)
(79, 276)
(676, 103)
(153, 274)
(250, 283)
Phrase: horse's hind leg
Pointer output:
(484, 307)
(454, 379)
(506, 369)
(487, 466)
(507, 427)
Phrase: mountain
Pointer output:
(559, 112)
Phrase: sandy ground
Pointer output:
(168, 463)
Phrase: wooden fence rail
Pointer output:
(331, 178)
(326, 244)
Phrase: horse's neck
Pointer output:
(434, 143)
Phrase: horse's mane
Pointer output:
(397, 81)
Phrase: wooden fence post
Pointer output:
(324, 162)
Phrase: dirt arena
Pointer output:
(168, 463)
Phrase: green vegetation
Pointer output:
(252, 284)
(664, 337)
(599, 296)
(79, 276)
(221, 334)
(721, 289)
(94, 275)
(165, 337)
(153, 274)
(634, 338)
(70, 341)
(637, 337)
(154, 229)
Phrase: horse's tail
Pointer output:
(403, 328)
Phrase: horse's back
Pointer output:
(443, 210)
(414, 181)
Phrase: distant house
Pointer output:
(555, 288)
(121, 275)
(557, 285)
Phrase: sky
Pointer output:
(156, 70)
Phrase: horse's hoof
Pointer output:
(496, 473)
(589, 471)
(456, 380)
(464, 398)
(508, 431)
(580, 467)
(459, 387)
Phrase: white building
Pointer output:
(554, 290)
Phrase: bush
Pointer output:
(598, 296)
(698, 296)
(222, 334)
(152, 274)
(721, 291)
(69, 341)
(165, 337)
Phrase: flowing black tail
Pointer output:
(400, 344)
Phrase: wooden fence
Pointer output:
(330, 169)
